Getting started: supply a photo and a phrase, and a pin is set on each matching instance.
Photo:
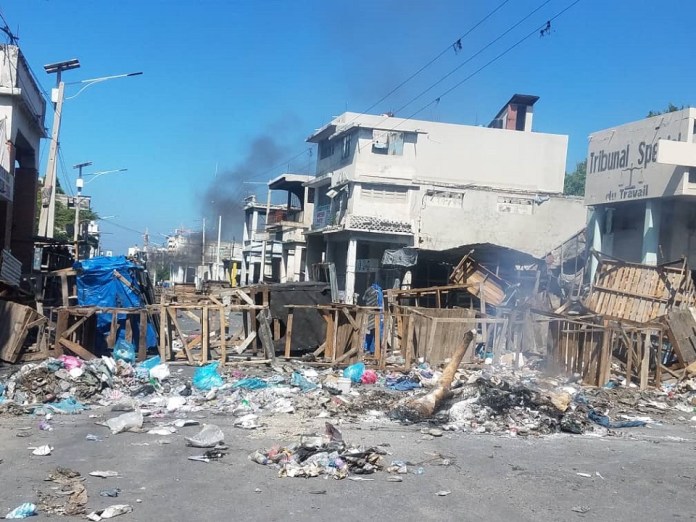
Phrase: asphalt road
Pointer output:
(642, 474)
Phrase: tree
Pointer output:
(63, 216)
(670, 108)
(575, 181)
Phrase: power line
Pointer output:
(476, 54)
(64, 170)
(544, 26)
(456, 45)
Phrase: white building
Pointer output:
(22, 110)
(384, 182)
(262, 254)
(641, 186)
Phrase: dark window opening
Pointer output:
(326, 149)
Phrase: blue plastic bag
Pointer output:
(124, 351)
(250, 383)
(69, 405)
(207, 377)
(354, 371)
(26, 510)
(142, 370)
(301, 382)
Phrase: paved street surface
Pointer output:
(640, 474)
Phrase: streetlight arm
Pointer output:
(101, 173)
(92, 81)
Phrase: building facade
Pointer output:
(384, 183)
(22, 111)
(641, 187)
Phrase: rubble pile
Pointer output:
(497, 399)
(318, 455)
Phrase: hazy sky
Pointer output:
(237, 86)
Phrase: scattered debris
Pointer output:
(110, 512)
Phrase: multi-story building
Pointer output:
(22, 110)
(384, 182)
(641, 186)
(288, 225)
(262, 253)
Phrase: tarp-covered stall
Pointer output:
(112, 282)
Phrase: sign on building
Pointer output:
(622, 162)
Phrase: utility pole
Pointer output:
(48, 194)
(203, 245)
(217, 257)
(79, 183)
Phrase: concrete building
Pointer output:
(22, 111)
(641, 187)
(262, 253)
(288, 225)
(384, 182)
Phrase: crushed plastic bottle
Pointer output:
(26, 510)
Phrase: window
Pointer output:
(310, 195)
(387, 142)
(326, 149)
(347, 141)
(385, 193)
(692, 174)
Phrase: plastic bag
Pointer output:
(124, 351)
(355, 371)
(125, 422)
(26, 510)
(207, 377)
(209, 437)
(251, 383)
(68, 405)
(70, 361)
(160, 372)
(369, 377)
(301, 382)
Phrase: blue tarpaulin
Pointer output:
(101, 282)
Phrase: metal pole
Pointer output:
(203, 245)
(265, 240)
(48, 194)
(79, 184)
(217, 260)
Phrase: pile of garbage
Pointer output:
(495, 399)
(326, 454)
(65, 384)
(527, 403)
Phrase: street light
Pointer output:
(80, 184)
(48, 194)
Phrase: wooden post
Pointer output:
(254, 325)
(205, 333)
(276, 329)
(288, 332)
(629, 359)
(378, 340)
(330, 351)
(223, 335)
(164, 321)
(265, 334)
(409, 355)
(142, 336)
(111, 339)
(484, 326)
(645, 363)
(61, 326)
(129, 328)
